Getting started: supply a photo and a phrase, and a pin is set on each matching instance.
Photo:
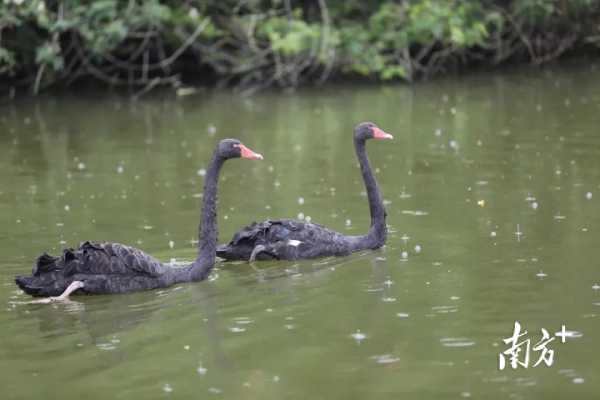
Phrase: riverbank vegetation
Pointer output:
(251, 44)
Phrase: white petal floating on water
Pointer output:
(214, 390)
(167, 388)
(300, 216)
(237, 329)
(404, 255)
(348, 222)
(171, 244)
(300, 200)
(588, 195)
(402, 315)
(595, 286)
(417, 248)
(388, 299)
(541, 274)
(201, 172)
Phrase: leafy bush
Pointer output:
(257, 43)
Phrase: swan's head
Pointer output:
(368, 130)
(233, 148)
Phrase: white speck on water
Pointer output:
(211, 130)
(388, 283)
(120, 170)
(466, 394)
(541, 274)
(578, 380)
(147, 227)
(417, 249)
(454, 298)
(201, 172)
(493, 234)
(358, 336)
(388, 299)
(438, 132)
(243, 320)
(402, 315)
(385, 359)
(595, 286)
(588, 195)
(559, 217)
(269, 310)
(300, 200)
(456, 342)
(67, 208)
(453, 144)
(237, 329)
(201, 370)
(404, 255)
(106, 346)
(308, 218)
(289, 327)
(214, 390)
(270, 168)
(167, 388)
(300, 216)
(186, 347)
(569, 334)
(534, 205)
(348, 222)
(276, 184)
(276, 379)
(81, 166)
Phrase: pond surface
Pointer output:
(492, 186)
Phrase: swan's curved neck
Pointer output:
(207, 230)
(378, 231)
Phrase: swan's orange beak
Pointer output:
(249, 154)
(380, 134)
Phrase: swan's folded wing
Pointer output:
(110, 258)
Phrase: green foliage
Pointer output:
(280, 42)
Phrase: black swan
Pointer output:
(286, 239)
(97, 268)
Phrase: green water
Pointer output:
(490, 219)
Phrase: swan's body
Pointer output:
(103, 268)
(292, 240)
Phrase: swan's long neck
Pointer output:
(378, 231)
(207, 230)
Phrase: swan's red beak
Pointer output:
(380, 134)
(249, 154)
